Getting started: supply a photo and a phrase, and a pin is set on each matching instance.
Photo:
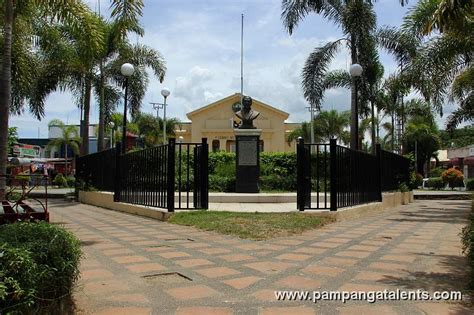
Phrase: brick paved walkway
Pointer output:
(414, 247)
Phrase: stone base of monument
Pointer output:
(247, 160)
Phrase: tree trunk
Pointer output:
(5, 92)
(87, 107)
(101, 134)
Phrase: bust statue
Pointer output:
(246, 114)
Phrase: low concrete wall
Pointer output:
(389, 201)
(106, 200)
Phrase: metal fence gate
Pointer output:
(330, 176)
(171, 176)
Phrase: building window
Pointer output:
(230, 146)
(215, 145)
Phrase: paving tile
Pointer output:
(287, 311)
(265, 295)
(388, 266)
(323, 270)
(170, 255)
(367, 310)
(443, 308)
(371, 276)
(203, 310)
(242, 283)
(325, 244)
(361, 287)
(217, 272)
(364, 247)
(298, 282)
(250, 247)
(192, 292)
(129, 298)
(293, 257)
(125, 311)
(105, 287)
(117, 251)
(401, 258)
(310, 250)
(189, 263)
(353, 253)
(147, 267)
(129, 259)
(96, 274)
(236, 257)
(214, 251)
(269, 267)
(335, 261)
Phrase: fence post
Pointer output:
(300, 190)
(118, 179)
(378, 153)
(205, 174)
(333, 174)
(171, 174)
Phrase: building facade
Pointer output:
(216, 122)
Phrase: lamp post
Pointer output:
(165, 92)
(356, 71)
(126, 70)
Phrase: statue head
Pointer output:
(246, 102)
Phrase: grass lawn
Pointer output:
(256, 226)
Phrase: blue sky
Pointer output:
(200, 41)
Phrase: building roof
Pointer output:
(34, 141)
(237, 97)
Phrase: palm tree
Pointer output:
(69, 138)
(327, 125)
(358, 35)
(19, 19)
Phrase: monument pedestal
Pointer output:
(247, 160)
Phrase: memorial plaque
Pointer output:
(247, 152)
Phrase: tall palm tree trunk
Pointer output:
(5, 92)
(100, 139)
(87, 107)
(392, 138)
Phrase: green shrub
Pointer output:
(17, 279)
(436, 183)
(436, 172)
(50, 256)
(453, 177)
(60, 180)
(277, 182)
(416, 180)
(71, 181)
(470, 184)
(467, 239)
(219, 158)
(221, 184)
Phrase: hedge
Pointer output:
(470, 184)
(39, 264)
(436, 183)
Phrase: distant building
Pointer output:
(215, 122)
(464, 159)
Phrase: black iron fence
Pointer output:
(97, 170)
(331, 176)
(356, 177)
(395, 170)
(313, 173)
(171, 176)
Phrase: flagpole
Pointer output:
(242, 60)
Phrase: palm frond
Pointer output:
(314, 70)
